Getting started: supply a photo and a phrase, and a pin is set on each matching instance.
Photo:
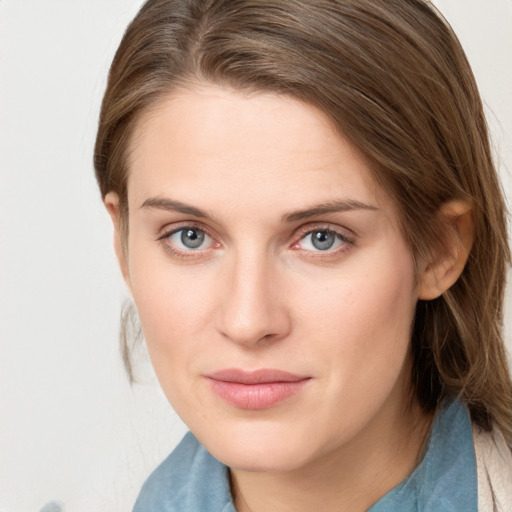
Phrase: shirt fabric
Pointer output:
(191, 480)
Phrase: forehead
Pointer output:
(214, 144)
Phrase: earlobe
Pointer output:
(111, 203)
(449, 259)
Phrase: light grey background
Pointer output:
(71, 428)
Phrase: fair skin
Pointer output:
(258, 240)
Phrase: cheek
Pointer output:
(173, 311)
(362, 317)
(173, 303)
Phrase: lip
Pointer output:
(254, 390)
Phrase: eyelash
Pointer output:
(302, 233)
(191, 253)
(341, 235)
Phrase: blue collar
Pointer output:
(446, 478)
(191, 480)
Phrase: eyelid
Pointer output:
(191, 255)
(346, 237)
(167, 231)
(347, 234)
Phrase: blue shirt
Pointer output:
(191, 480)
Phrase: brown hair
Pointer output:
(394, 79)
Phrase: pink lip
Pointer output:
(254, 390)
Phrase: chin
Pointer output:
(259, 449)
(261, 459)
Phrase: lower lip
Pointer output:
(256, 396)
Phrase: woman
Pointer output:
(309, 221)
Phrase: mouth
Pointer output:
(255, 390)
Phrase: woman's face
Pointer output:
(275, 289)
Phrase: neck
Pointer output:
(351, 478)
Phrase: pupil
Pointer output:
(322, 240)
(192, 238)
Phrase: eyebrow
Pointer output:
(174, 206)
(336, 206)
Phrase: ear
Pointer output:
(111, 203)
(438, 275)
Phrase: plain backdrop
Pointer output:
(71, 427)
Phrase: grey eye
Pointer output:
(192, 238)
(322, 240)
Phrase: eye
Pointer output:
(191, 238)
(187, 239)
(322, 240)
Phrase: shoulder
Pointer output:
(188, 479)
(494, 469)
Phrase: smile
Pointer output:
(255, 390)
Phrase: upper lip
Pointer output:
(261, 376)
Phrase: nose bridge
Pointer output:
(251, 307)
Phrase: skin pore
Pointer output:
(258, 240)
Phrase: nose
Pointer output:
(252, 305)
